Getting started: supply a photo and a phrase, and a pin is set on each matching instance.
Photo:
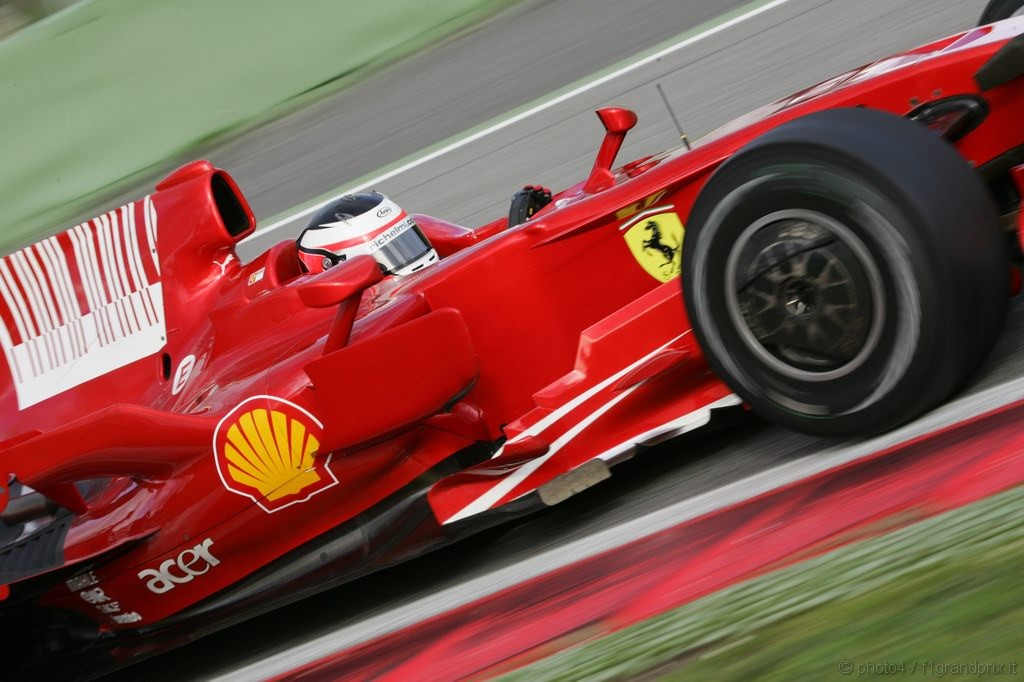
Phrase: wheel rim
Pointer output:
(805, 295)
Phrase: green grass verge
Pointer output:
(941, 592)
(94, 96)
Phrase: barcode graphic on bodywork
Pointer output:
(82, 303)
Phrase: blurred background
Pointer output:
(16, 14)
(100, 98)
(449, 106)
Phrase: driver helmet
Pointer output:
(369, 224)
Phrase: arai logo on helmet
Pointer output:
(384, 212)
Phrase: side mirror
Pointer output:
(341, 286)
(340, 283)
(617, 122)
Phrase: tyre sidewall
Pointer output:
(917, 350)
(997, 10)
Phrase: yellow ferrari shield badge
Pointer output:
(656, 242)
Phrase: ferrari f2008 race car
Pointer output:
(188, 440)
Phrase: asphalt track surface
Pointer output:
(521, 56)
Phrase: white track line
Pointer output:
(543, 106)
(732, 493)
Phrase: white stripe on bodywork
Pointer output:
(109, 268)
(132, 300)
(45, 290)
(111, 229)
(47, 270)
(135, 258)
(63, 289)
(27, 328)
(18, 368)
(509, 483)
(85, 274)
(151, 225)
(115, 243)
(108, 295)
(61, 285)
(38, 283)
(633, 220)
(13, 304)
(39, 340)
(557, 414)
(32, 315)
(59, 346)
(69, 282)
(676, 427)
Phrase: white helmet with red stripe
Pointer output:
(370, 224)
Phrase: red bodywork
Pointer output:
(246, 410)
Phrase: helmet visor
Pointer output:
(401, 245)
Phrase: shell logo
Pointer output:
(266, 449)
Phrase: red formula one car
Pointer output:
(189, 440)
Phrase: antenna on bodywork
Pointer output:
(682, 135)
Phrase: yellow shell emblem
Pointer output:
(656, 241)
(266, 449)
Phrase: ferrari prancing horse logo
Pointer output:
(656, 242)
